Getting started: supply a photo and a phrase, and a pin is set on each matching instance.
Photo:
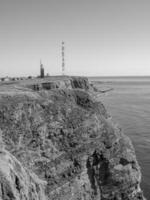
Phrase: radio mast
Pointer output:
(63, 58)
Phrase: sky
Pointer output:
(102, 37)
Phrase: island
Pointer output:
(58, 142)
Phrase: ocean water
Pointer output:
(129, 105)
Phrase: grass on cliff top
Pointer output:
(21, 87)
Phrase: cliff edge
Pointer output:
(58, 143)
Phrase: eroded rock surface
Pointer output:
(61, 144)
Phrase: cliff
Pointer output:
(58, 143)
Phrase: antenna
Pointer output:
(63, 58)
(40, 63)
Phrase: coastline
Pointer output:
(69, 143)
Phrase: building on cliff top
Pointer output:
(41, 70)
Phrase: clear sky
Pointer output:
(102, 37)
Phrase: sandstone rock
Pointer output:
(70, 83)
(1, 142)
(18, 183)
(80, 82)
(62, 145)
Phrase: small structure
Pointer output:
(36, 87)
(5, 79)
(41, 70)
(50, 85)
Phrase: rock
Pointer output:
(80, 82)
(1, 142)
(61, 144)
(70, 83)
(18, 183)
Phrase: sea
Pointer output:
(128, 102)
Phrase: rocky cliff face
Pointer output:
(60, 144)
